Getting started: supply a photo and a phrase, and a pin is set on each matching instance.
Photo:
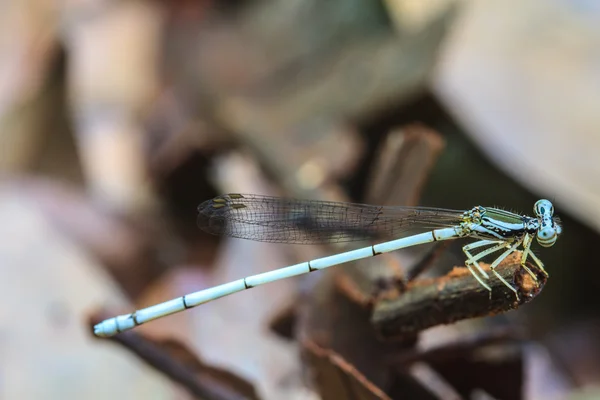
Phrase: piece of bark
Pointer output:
(456, 296)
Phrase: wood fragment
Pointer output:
(453, 297)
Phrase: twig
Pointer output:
(454, 297)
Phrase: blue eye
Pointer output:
(543, 208)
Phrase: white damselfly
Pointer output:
(279, 220)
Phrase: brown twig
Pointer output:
(181, 366)
(454, 297)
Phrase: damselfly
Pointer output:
(272, 219)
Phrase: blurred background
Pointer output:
(118, 117)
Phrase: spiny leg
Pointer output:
(485, 285)
(500, 259)
(473, 258)
(539, 262)
(526, 250)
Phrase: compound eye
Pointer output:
(543, 207)
(546, 237)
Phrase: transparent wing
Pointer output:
(280, 220)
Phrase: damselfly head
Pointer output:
(550, 227)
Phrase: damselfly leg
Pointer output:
(476, 276)
(471, 258)
(497, 245)
(526, 250)
(528, 253)
(498, 260)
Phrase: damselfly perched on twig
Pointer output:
(272, 219)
